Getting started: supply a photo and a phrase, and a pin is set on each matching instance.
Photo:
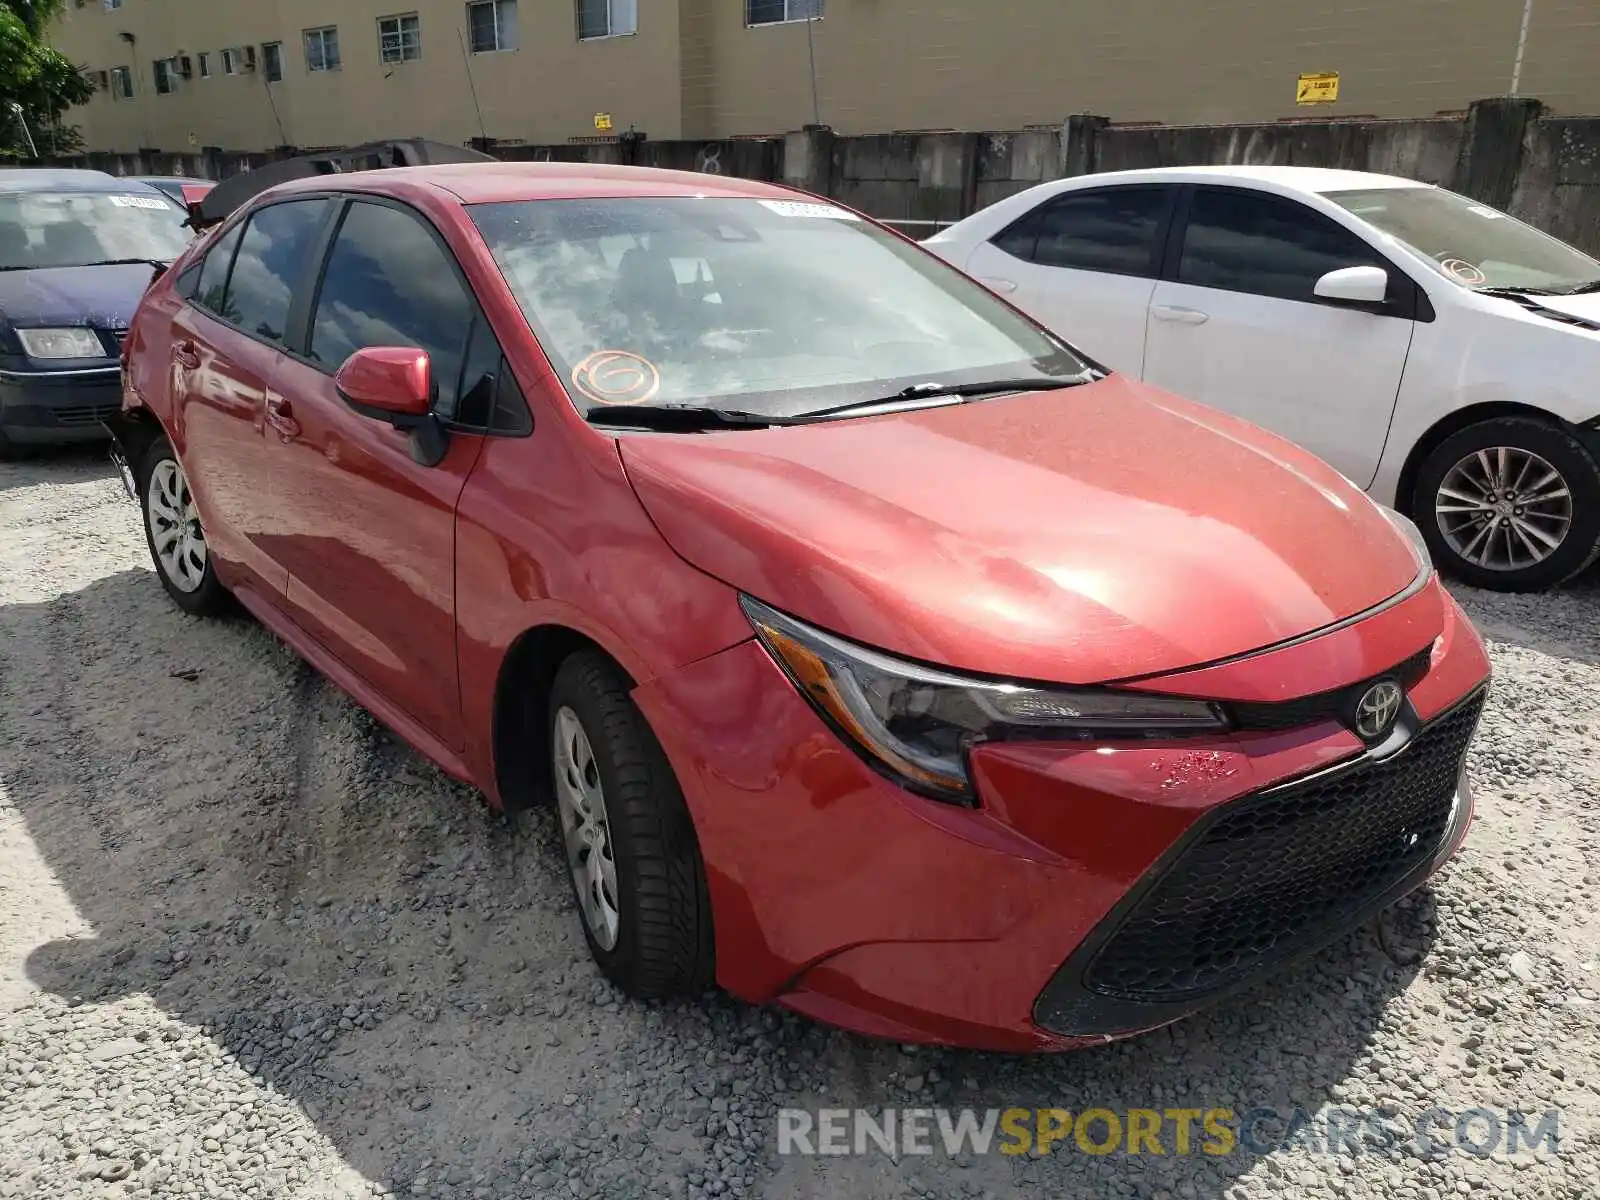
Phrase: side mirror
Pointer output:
(1355, 285)
(395, 384)
(389, 383)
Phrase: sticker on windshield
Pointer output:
(139, 202)
(1460, 268)
(805, 208)
(617, 377)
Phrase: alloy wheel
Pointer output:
(175, 531)
(585, 831)
(1503, 508)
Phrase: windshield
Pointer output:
(1470, 243)
(69, 229)
(779, 307)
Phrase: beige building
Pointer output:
(252, 74)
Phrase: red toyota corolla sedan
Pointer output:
(883, 657)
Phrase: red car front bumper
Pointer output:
(1099, 889)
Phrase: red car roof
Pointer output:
(483, 183)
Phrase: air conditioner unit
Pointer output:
(102, 80)
(249, 58)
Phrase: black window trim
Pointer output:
(300, 321)
(307, 290)
(1164, 225)
(240, 224)
(1408, 300)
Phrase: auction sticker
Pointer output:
(805, 208)
(140, 202)
(1464, 271)
(617, 377)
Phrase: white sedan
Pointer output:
(1441, 354)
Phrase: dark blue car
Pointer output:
(77, 250)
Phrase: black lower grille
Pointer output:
(1266, 875)
(87, 414)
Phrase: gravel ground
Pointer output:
(252, 946)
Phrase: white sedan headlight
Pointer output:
(60, 343)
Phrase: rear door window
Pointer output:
(212, 286)
(389, 282)
(1115, 230)
(274, 256)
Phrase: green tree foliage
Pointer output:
(37, 78)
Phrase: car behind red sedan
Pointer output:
(884, 658)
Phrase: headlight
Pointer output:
(916, 723)
(60, 343)
(1412, 534)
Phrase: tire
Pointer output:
(199, 592)
(7, 448)
(1468, 463)
(661, 944)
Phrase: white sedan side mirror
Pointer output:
(1355, 285)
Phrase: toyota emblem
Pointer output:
(1377, 709)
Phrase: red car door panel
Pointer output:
(368, 539)
(226, 349)
(220, 396)
(366, 532)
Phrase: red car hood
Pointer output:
(1078, 536)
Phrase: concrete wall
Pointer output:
(696, 70)
(1508, 153)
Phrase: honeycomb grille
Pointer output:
(1269, 873)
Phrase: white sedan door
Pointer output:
(1084, 264)
(1235, 325)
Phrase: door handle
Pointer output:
(1179, 314)
(998, 285)
(185, 355)
(281, 417)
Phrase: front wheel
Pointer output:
(172, 531)
(627, 837)
(1511, 504)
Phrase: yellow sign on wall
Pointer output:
(1318, 87)
(602, 121)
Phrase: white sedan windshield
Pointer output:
(1470, 243)
(788, 305)
(73, 229)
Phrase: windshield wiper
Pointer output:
(951, 391)
(690, 418)
(675, 418)
(156, 263)
(1582, 289)
(1513, 293)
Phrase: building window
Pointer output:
(272, 60)
(113, 5)
(399, 38)
(775, 12)
(322, 48)
(205, 64)
(230, 62)
(492, 25)
(121, 83)
(607, 18)
(163, 72)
